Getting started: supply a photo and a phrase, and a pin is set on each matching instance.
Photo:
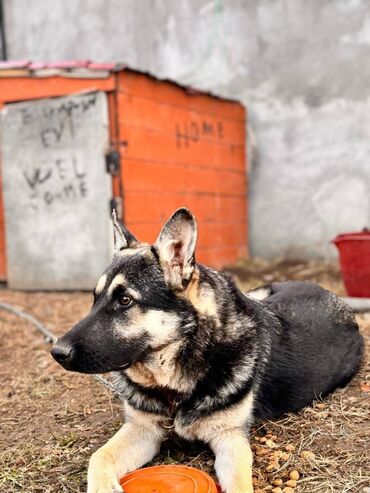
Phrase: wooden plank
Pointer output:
(140, 143)
(188, 125)
(148, 87)
(209, 252)
(209, 234)
(179, 149)
(2, 228)
(23, 88)
(147, 177)
(221, 256)
(117, 189)
(158, 207)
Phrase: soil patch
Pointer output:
(52, 420)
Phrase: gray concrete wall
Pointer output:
(302, 68)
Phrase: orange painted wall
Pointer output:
(177, 148)
(2, 228)
(182, 149)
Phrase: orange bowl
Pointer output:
(168, 479)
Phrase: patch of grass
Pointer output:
(10, 476)
(67, 441)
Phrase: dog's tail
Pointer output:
(260, 293)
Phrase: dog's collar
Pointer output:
(173, 403)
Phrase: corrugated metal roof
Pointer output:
(80, 69)
(59, 64)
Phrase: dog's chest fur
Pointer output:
(162, 370)
(214, 366)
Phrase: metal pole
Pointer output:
(3, 53)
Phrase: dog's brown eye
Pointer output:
(125, 301)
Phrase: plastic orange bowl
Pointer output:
(168, 479)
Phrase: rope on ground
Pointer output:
(357, 304)
(39, 326)
(49, 336)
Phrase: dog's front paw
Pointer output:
(101, 477)
(103, 483)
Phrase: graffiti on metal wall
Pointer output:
(188, 132)
(58, 173)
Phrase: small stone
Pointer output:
(276, 490)
(288, 489)
(277, 482)
(276, 455)
(307, 454)
(294, 475)
(272, 467)
(261, 451)
(263, 440)
(290, 447)
(292, 483)
(284, 456)
(270, 444)
(258, 491)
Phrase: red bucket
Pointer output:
(354, 255)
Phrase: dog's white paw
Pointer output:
(101, 476)
(104, 484)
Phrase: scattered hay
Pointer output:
(253, 273)
(51, 420)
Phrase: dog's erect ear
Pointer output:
(122, 236)
(176, 246)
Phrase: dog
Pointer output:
(193, 354)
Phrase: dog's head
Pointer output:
(138, 306)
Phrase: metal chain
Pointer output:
(49, 336)
(357, 304)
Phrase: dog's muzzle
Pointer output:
(84, 359)
(62, 353)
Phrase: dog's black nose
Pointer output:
(61, 352)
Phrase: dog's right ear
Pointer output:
(176, 248)
(122, 236)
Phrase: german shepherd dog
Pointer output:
(193, 353)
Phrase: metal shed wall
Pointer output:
(178, 147)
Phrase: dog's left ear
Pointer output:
(176, 248)
(122, 236)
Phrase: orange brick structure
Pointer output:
(177, 147)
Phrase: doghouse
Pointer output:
(79, 138)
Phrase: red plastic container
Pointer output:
(354, 255)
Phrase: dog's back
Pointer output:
(316, 349)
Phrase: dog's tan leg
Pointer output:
(226, 433)
(233, 462)
(135, 444)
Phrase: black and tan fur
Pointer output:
(193, 353)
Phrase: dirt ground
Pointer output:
(52, 420)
